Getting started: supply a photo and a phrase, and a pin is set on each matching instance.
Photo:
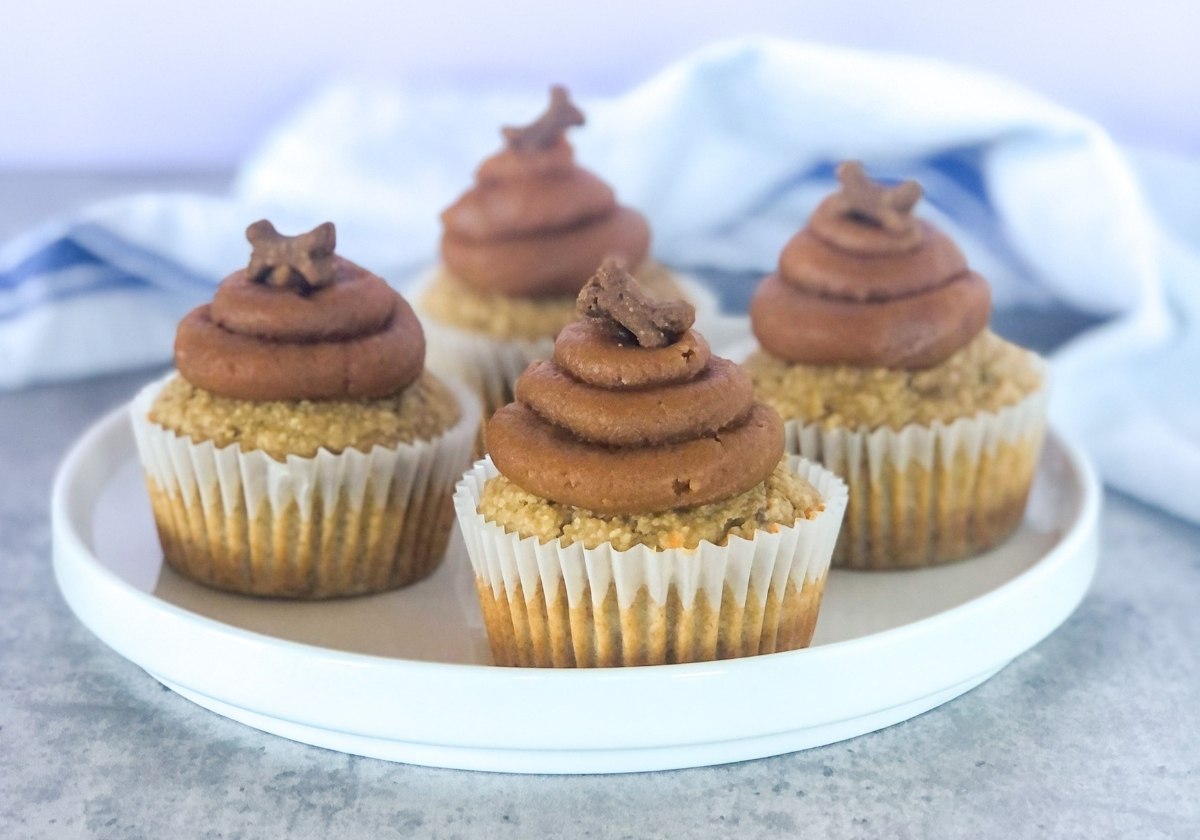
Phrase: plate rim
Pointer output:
(68, 541)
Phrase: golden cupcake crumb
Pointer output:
(986, 375)
(781, 499)
(453, 302)
(421, 411)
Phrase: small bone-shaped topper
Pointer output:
(613, 295)
(305, 261)
(888, 207)
(547, 129)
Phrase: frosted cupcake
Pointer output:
(876, 351)
(302, 450)
(516, 249)
(637, 507)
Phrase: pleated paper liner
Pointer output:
(926, 495)
(488, 366)
(320, 527)
(556, 605)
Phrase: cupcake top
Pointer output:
(300, 323)
(302, 351)
(633, 414)
(535, 224)
(868, 284)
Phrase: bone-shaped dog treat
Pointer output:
(614, 296)
(305, 261)
(889, 207)
(547, 129)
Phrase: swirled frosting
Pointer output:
(300, 323)
(616, 427)
(867, 284)
(535, 224)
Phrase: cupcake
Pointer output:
(516, 249)
(637, 507)
(876, 351)
(302, 450)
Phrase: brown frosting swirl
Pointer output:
(868, 284)
(615, 427)
(535, 224)
(300, 323)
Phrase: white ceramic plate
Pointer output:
(406, 676)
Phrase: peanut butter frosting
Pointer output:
(634, 414)
(868, 284)
(535, 224)
(300, 323)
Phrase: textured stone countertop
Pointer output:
(1094, 733)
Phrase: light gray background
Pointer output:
(142, 84)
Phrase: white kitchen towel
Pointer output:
(726, 152)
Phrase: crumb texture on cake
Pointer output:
(421, 411)
(453, 302)
(985, 376)
(780, 500)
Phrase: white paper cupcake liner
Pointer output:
(489, 366)
(563, 605)
(316, 527)
(924, 495)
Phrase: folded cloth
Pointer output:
(726, 152)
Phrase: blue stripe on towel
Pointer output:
(60, 254)
(89, 259)
(153, 267)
